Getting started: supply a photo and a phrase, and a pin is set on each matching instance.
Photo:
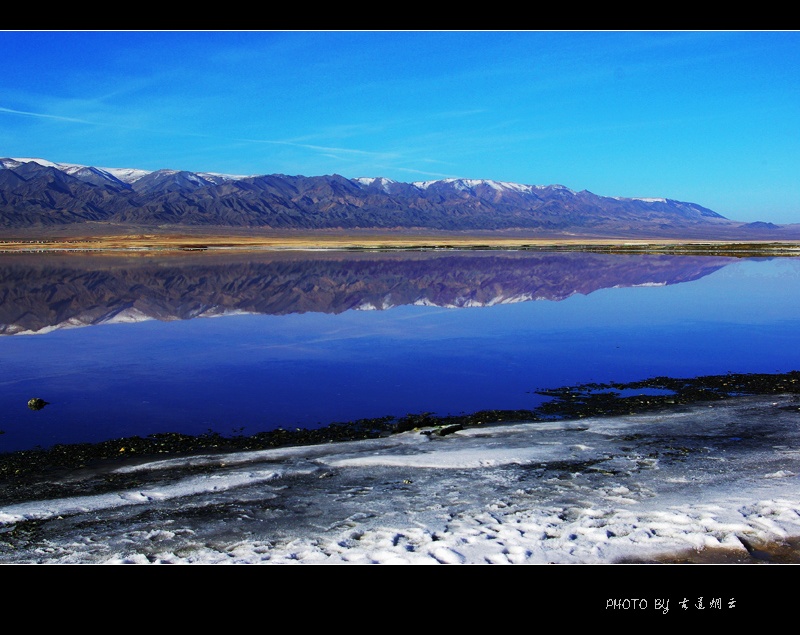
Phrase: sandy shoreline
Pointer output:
(181, 242)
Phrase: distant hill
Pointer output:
(36, 194)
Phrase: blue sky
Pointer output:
(710, 117)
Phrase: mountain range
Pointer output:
(38, 195)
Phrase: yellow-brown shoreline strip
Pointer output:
(160, 243)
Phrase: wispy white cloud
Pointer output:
(323, 149)
(39, 115)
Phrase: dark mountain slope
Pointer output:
(36, 195)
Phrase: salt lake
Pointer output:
(122, 345)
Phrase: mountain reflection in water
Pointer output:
(45, 292)
(311, 338)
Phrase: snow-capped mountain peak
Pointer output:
(125, 175)
(469, 185)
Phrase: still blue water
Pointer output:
(314, 362)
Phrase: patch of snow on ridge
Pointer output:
(78, 170)
(212, 176)
(383, 182)
(194, 178)
(640, 198)
(369, 180)
(46, 163)
(470, 184)
(127, 175)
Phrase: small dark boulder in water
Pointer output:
(36, 403)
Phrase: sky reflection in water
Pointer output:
(250, 372)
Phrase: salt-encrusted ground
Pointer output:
(647, 488)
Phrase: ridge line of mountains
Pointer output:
(41, 195)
